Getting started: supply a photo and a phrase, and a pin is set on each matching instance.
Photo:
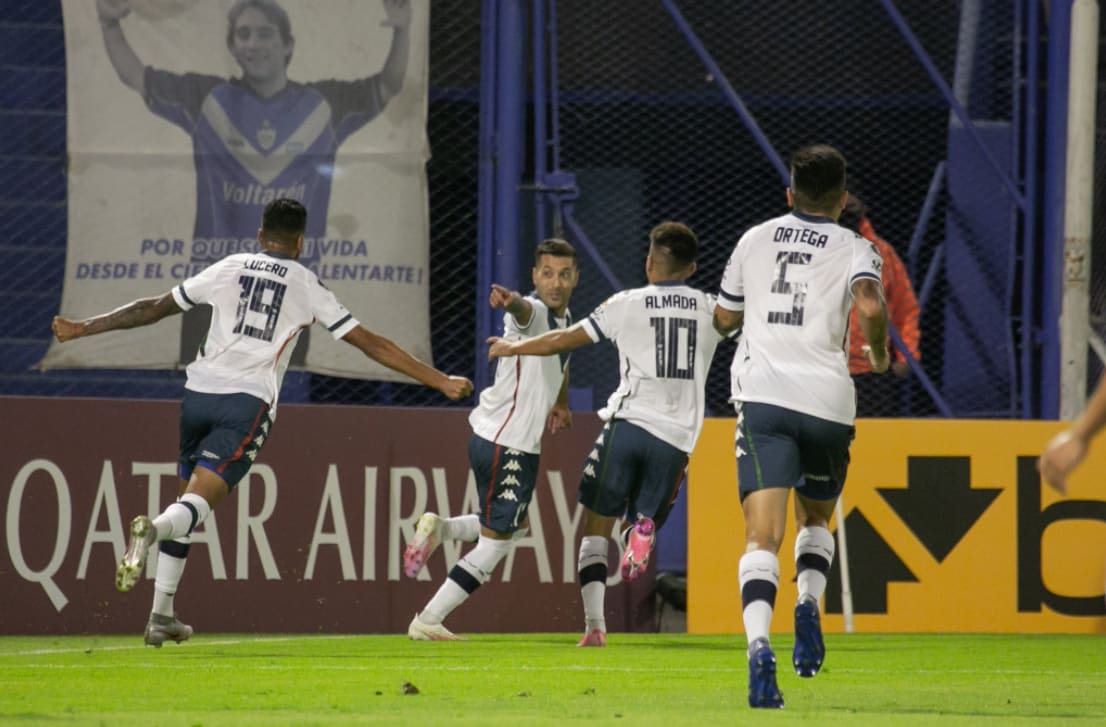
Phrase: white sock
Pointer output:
(759, 576)
(592, 566)
(465, 528)
(814, 548)
(182, 517)
(471, 572)
(170, 568)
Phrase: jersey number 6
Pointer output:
(797, 291)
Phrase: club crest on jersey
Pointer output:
(266, 136)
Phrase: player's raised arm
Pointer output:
(547, 344)
(512, 302)
(395, 65)
(124, 60)
(387, 353)
(141, 312)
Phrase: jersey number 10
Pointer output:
(675, 347)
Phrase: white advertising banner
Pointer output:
(185, 118)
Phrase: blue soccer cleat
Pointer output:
(810, 649)
(763, 692)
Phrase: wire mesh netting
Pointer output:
(650, 134)
(33, 167)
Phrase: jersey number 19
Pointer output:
(266, 308)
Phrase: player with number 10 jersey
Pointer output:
(665, 338)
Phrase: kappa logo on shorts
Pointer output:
(589, 470)
(509, 481)
(507, 495)
(594, 454)
(512, 465)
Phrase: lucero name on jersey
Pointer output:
(266, 266)
(804, 235)
(671, 300)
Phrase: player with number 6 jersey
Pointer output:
(788, 287)
(260, 303)
(803, 305)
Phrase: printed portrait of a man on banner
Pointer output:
(185, 118)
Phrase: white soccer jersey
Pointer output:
(793, 277)
(259, 304)
(665, 338)
(513, 410)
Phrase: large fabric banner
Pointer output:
(185, 118)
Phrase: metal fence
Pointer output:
(637, 111)
(688, 110)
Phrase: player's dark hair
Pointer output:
(817, 177)
(854, 212)
(271, 10)
(556, 247)
(678, 244)
(283, 221)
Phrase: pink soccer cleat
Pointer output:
(428, 534)
(635, 559)
(595, 637)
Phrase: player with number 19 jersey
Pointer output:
(666, 338)
(792, 276)
(255, 321)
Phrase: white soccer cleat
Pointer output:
(419, 631)
(428, 534)
(143, 536)
(161, 628)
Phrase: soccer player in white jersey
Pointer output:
(260, 302)
(505, 445)
(788, 286)
(665, 337)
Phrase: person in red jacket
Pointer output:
(880, 395)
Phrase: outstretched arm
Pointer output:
(395, 65)
(547, 344)
(511, 302)
(131, 70)
(871, 313)
(387, 353)
(1068, 448)
(141, 312)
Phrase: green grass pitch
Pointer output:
(658, 679)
